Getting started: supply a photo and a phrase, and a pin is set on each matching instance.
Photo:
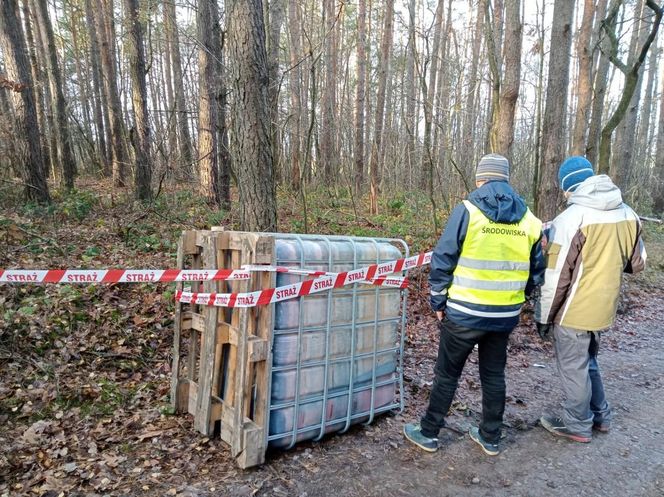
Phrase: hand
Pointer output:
(543, 330)
(440, 315)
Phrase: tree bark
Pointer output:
(295, 82)
(207, 106)
(65, 151)
(360, 74)
(141, 132)
(18, 70)
(411, 86)
(383, 72)
(601, 48)
(329, 154)
(429, 95)
(276, 10)
(584, 85)
(106, 29)
(184, 137)
(554, 128)
(503, 128)
(251, 151)
(658, 194)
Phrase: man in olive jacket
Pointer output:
(590, 245)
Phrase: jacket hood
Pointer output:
(499, 202)
(597, 192)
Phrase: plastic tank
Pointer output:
(336, 355)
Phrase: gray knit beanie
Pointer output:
(493, 167)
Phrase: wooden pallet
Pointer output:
(222, 356)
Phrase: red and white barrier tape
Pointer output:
(279, 294)
(375, 274)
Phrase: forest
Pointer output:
(125, 122)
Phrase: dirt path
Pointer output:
(377, 461)
(627, 462)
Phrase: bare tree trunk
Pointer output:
(554, 128)
(645, 131)
(360, 74)
(383, 72)
(105, 29)
(221, 92)
(622, 161)
(411, 86)
(584, 85)
(251, 151)
(37, 77)
(18, 71)
(141, 134)
(468, 116)
(276, 10)
(503, 127)
(429, 95)
(184, 137)
(329, 154)
(601, 48)
(66, 153)
(295, 83)
(658, 194)
(631, 80)
(207, 106)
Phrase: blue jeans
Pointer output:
(576, 358)
(456, 343)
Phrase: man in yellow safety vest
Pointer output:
(488, 259)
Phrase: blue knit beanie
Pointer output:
(574, 171)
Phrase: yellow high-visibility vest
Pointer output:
(494, 264)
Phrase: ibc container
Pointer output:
(336, 356)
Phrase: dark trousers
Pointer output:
(456, 343)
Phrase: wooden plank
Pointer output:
(208, 346)
(188, 243)
(192, 404)
(177, 401)
(193, 320)
(258, 349)
(254, 452)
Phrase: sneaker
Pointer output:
(557, 427)
(413, 432)
(602, 427)
(489, 448)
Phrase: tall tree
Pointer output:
(658, 194)
(65, 151)
(295, 77)
(429, 92)
(383, 72)
(631, 74)
(141, 134)
(411, 85)
(207, 105)
(184, 137)
(250, 149)
(328, 152)
(584, 80)
(600, 81)
(502, 127)
(105, 25)
(554, 128)
(20, 85)
(276, 11)
(360, 74)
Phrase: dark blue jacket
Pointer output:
(500, 203)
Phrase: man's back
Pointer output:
(590, 245)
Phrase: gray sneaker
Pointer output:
(413, 432)
(489, 448)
